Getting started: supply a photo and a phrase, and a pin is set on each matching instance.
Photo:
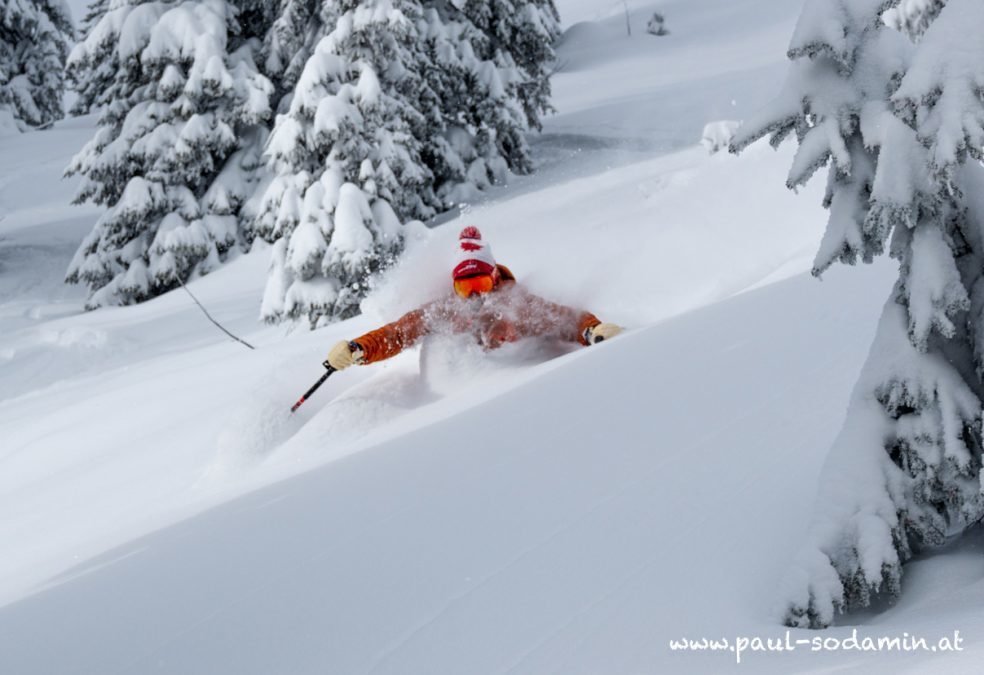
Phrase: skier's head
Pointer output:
(476, 271)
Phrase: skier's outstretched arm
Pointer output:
(542, 317)
(382, 343)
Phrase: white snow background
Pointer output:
(537, 510)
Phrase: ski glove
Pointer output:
(345, 354)
(601, 332)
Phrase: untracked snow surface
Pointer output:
(539, 509)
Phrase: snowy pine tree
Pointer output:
(181, 131)
(413, 105)
(490, 80)
(345, 155)
(519, 37)
(895, 121)
(35, 37)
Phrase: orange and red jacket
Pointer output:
(506, 314)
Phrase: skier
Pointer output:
(487, 302)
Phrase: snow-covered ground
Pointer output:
(537, 510)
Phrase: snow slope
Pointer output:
(534, 510)
(590, 509)
(68, 377)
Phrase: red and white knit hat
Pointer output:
(475, 256)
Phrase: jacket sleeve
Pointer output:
(393, 338)
(541, 317)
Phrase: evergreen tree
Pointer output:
(895, 121)
(519, 37)
(345, 155)
(480, 103)
(179, 138)
(34, 41)
(492, 77)
(417, 104)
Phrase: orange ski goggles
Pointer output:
(478, 284)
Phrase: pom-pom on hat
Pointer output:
(474, 256)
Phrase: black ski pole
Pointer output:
(313, 389)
